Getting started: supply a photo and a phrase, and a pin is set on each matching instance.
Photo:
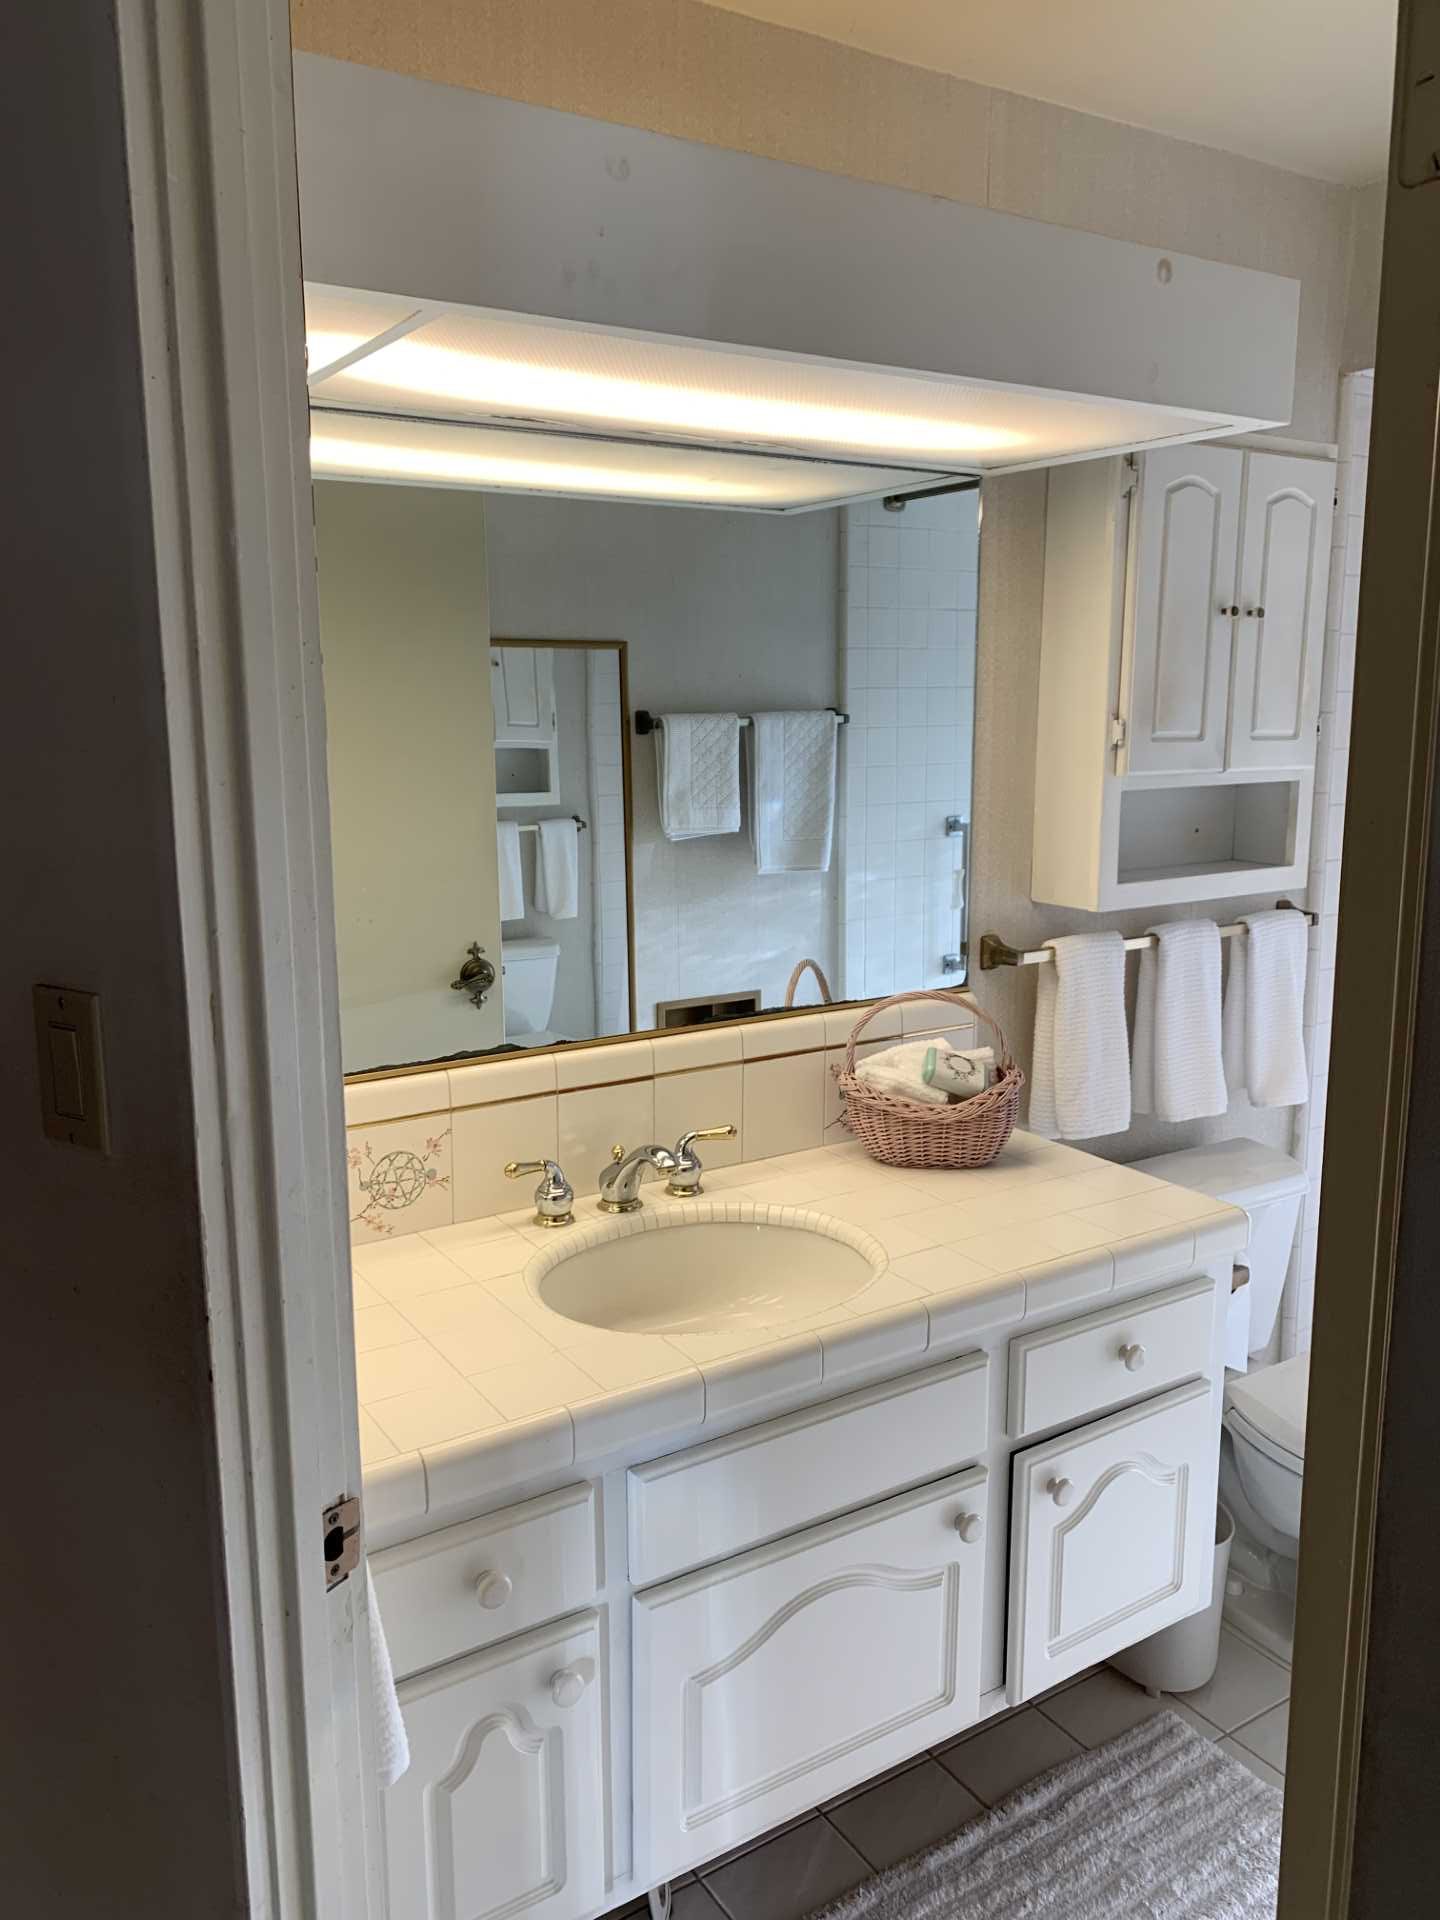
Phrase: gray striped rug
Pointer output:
(1159, 1824)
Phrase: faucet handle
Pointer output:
(554, 1197)
(684, 1182)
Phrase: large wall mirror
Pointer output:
(601, 767)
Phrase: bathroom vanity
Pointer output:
(806, 1550)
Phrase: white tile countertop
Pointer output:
(469, 1384)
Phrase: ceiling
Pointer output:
(1303, 84)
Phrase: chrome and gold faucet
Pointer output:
(554, 1197)
(620, 1181)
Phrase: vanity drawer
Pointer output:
(452, 1592)
(1080, 1367)
(796, 1670)
(717, 1498)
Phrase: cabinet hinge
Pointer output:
(1118, 731)
(340, 1533)
(1131, 478)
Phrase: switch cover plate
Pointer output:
(72, 1067)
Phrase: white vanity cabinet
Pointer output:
(614, 1681)
(778, 1678)
(1183, 630)
(502, 1810)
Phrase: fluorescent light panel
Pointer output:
(352, 446)
(470, 364)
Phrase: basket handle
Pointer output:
(947, 996)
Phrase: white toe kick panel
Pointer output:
(778, 1678)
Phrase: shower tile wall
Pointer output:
(908, 682)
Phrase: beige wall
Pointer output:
(682, 68)
(405, 636)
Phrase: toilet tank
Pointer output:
(530, 967)
(1270, 1186)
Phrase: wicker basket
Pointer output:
(911, 1133)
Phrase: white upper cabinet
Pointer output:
(1279, 631)
(1180, 661)
(1186, 560)
(522, 681)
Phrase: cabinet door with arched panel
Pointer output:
(501, 1811)
(1182, 617)
(1112, 1535)
(1280, 629)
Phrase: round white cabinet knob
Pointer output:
(492, 1590)
(1134, 1356)
(569, 1683)
(970, 1527)
(1062, 1492)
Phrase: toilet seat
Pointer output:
(1268, 1408)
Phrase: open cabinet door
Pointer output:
(210, 145)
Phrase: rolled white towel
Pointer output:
(901, 1071)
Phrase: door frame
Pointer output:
(210, 141)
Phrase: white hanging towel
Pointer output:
(1080, 1071)
(1264, 1040)
(1176, 1070)
(557, 869)
(512, 879)
(792, 791)
(697, 764)
(392, 1744)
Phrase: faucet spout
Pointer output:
(620, 1182)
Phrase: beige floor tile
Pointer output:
(1246, 1683)
(1007, 1753)
(1267, 1735)
(1261, 1769)
(1108, 1704)
(799, 1870)
(911, 1810)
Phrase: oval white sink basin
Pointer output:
(675, 1273)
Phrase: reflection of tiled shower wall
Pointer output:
(1327, 831)
(607, 849)
(908, 683)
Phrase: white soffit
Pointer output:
(432, 453)
(488, 210)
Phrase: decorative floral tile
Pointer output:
(399, 1178)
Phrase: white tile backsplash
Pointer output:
(486, 1137)
(595, 1119)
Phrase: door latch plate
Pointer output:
(341, 1529)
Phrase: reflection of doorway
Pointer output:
(562, 754)
(404, 617)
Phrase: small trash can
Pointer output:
(1183, 1657)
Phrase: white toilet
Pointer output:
(529, 968)
(1262, 1452)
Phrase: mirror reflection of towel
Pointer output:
(512, 879)
(792, 791)
(557, 869)
(697, 765)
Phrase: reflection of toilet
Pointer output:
(530, 967)
(1262, 1453)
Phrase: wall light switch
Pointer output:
(72, 1067)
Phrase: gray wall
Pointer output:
(719, 610)
(117, 1787)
